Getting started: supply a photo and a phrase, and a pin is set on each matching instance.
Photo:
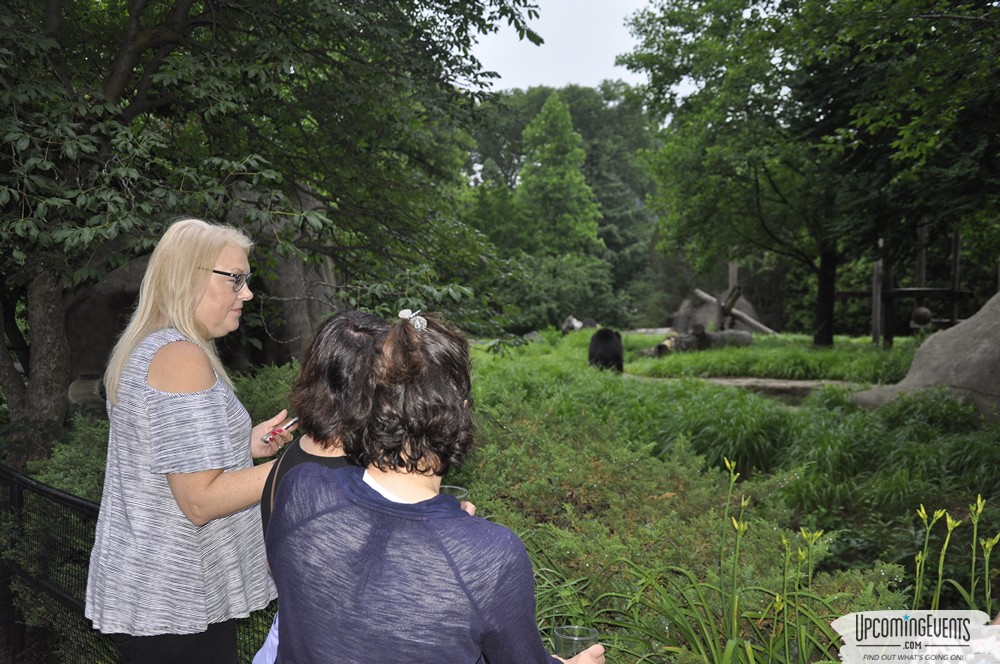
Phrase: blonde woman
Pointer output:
(178, 554)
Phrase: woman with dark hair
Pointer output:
(333, 392)
(371, 562)
(332, 395)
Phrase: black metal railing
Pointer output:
(45, 541)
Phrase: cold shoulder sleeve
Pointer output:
(192, 432)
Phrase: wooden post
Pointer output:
(887, 303)
(956, 252)
(877, 300)
(921, 275)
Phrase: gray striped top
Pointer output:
(151, 570)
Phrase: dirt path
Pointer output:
(780, 387)
(772, 387)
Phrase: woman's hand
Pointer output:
(592, 655)
(268, 437)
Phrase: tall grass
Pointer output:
(844, 477)
(694, 522)
(612, 483)
(677, 614)
(789, 357)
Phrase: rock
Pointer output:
(964, 359)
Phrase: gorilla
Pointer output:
(606, 350)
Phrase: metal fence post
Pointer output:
(12, 620)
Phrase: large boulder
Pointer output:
(965, 359)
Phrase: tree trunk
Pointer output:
(825, 298)
(37, 418)
(307, 294)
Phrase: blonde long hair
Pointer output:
(175, 281)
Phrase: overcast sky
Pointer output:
(582, 38)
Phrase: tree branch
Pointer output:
(169, 33)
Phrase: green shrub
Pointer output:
(76, 464)
(265, 391)
(541, 291)
(929, 413)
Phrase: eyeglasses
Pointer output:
(239, 280)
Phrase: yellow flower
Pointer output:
(952, 523)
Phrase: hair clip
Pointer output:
(418, 322)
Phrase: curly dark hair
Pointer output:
(421, 419)
(334, 391)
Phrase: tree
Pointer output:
(545, 226)
(935, 59)
(615, 130)
(820, 129)
(737, 179)
(490, 207)
(326, 128)
(544, 290)
(558, 209)
(916, 90)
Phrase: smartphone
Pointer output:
(269, 438)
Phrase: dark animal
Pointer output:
(606, 350)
